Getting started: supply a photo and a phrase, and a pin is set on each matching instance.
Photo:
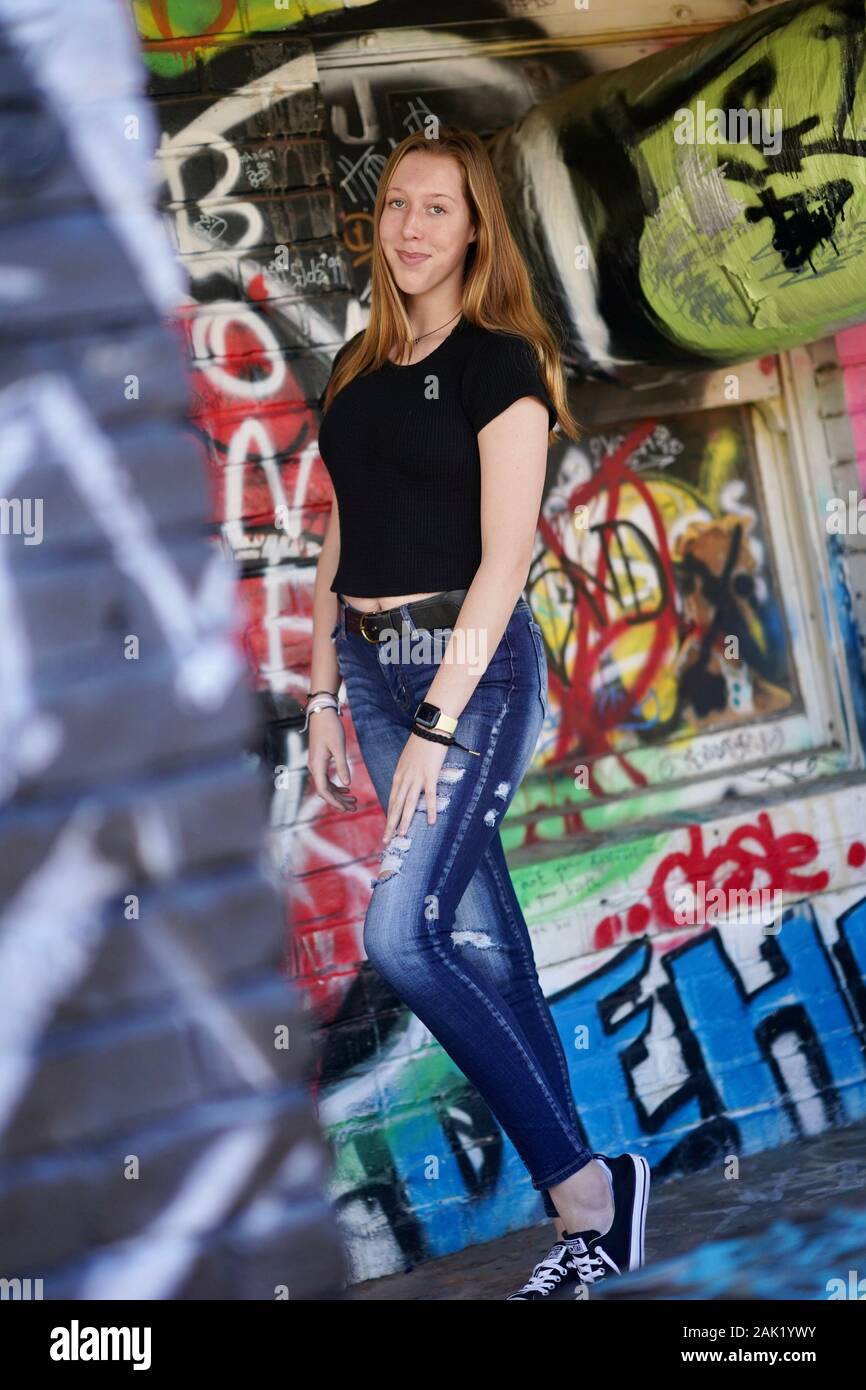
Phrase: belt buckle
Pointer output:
(364, 633)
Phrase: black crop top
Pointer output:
(401, 447)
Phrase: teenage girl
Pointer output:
(435, 431)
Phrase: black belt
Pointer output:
(439, 611)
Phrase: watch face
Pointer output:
(427, 714)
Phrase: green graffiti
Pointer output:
(754, 241)
(720, 189)
(178, 35)
(555, 887)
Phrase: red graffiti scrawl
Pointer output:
(753, 856)
(603, 613)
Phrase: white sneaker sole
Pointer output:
(638, 1215)
(639, 1208)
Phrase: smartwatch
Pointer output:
(431, 717)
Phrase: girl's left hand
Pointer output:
(417, 770)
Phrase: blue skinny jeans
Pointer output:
(443, 924)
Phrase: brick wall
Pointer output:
(701, 1043)
(157, 1134)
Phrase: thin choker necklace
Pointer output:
(437, 330)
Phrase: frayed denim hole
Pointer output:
(391, 858)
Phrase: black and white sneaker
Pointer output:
(624, 1242)
(571, 1262)
(580, 1258)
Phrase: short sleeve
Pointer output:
(502, 368)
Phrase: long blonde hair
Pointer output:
(497, 290)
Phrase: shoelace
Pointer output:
(590, 1263)
(548, 1272)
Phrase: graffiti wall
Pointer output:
(652, 554)
(688, 1044)
(156, 1140)
(703, 206)
(705, 652)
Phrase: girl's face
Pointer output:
(427, 217)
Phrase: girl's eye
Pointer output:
(392, 201)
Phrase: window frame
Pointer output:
(792, 468)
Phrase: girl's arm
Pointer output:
(513, 450)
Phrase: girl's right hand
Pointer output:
(326, 741)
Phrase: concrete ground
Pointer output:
(706, 1237)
